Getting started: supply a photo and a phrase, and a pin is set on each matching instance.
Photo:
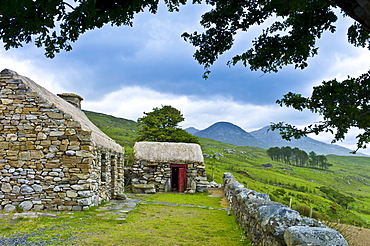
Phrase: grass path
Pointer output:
(178, 220)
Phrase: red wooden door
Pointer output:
(182, 179)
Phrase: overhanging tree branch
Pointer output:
(358, 10)
(341, 115)
(290, 40)
(65, 3)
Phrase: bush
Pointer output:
(279, 192)
(337, 197)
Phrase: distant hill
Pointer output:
(121, 130)
(125, 132)
(229, 133)
(273, 139)
(192, 130)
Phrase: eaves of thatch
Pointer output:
(98, 137)
(168, 152)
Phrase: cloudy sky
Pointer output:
(127, 71)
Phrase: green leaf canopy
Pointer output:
(161, 125)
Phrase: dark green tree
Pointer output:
(303, 157)
(286, 152)
(298, 157)
(313, 160)
(274, 153)
(322, 161)
(295, 156)
(162, 125)
(290, 39)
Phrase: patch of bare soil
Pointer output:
(219, 192)
(356, 236)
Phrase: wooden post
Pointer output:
(290, 202)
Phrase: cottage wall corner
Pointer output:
(47, 159)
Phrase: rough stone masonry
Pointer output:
(51, 156)
(268, 223)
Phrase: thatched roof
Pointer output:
(97, 135)
(168, 152)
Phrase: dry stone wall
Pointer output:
(268, 223)
(47, 161)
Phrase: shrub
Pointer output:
(19, 209)
(279, 192)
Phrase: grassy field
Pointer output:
(149, 224)
(349, 177)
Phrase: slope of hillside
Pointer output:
(120, 130)
(347, 179)
(192, 130)
(273, 139)
(229, 133)
(264, 138)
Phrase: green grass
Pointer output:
(349, 175)
(155, 224)
(200, 199)
(121, 130)
(150, 224)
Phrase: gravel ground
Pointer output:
(22, 239)
(19, 239)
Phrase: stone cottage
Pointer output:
(161, 166)
(51, 156)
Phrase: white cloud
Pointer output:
(26, 67)
(349, 142)
(344, 65)
(131, 102)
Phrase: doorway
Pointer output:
(178, 177)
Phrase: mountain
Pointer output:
(229, 133)
(125, 132)
(192, 130)
(273, 139)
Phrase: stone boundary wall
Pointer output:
(268, 223)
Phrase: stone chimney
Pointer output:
(73, 99)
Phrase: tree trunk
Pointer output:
(357, 9)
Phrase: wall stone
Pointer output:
(47, 161)
(268, 223)
(159, 174)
